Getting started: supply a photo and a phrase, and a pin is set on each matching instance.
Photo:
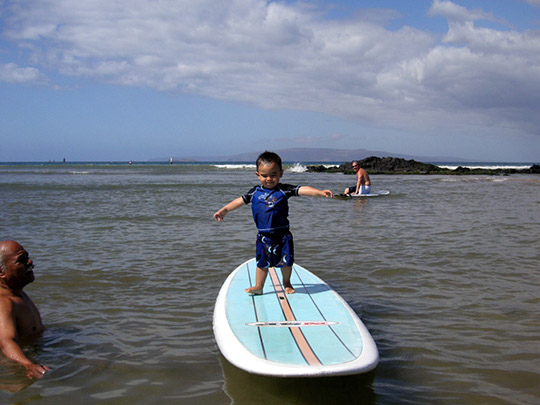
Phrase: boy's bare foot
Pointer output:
(289, 289)
(254, 290)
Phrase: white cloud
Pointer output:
(455, 12)
(11, 73)
(278, 55)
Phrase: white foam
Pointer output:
(297, 168)
(300, 168)
(487, 167)
(236, 166)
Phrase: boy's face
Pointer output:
(269, 175)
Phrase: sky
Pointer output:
(102, 80)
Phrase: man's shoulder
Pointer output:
(7, 301)
(14, 299)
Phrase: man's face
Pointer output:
(17, 270)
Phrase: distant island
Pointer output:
(319, 155)
(394, 165)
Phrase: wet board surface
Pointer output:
(310, 333)
(374, 194)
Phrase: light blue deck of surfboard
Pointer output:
(313, 301)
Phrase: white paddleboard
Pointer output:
(375, 194)
(310, 333)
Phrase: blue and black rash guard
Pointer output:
(270, 207)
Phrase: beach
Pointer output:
(443, 271)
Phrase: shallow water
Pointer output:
(443, 272)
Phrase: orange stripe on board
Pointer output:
(298, 336)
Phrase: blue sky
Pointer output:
(140, 79)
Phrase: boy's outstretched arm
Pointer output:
(234, 204)
(314, 192)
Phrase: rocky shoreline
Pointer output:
(392, 165)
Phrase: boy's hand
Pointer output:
(314, 192)
(218, 216)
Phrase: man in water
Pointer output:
(363, 184)
(19, 317)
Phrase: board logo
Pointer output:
(292, 324)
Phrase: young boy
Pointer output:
(269, 203)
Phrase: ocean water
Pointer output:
(129, 261)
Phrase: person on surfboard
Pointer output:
(19, 316)
(270, 207)
(363, 184)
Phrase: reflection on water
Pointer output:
(12, 376)
(244, 388)
(360, 204)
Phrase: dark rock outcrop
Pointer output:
(385, 165)
(392, 165)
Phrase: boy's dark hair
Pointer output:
(267, 158)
